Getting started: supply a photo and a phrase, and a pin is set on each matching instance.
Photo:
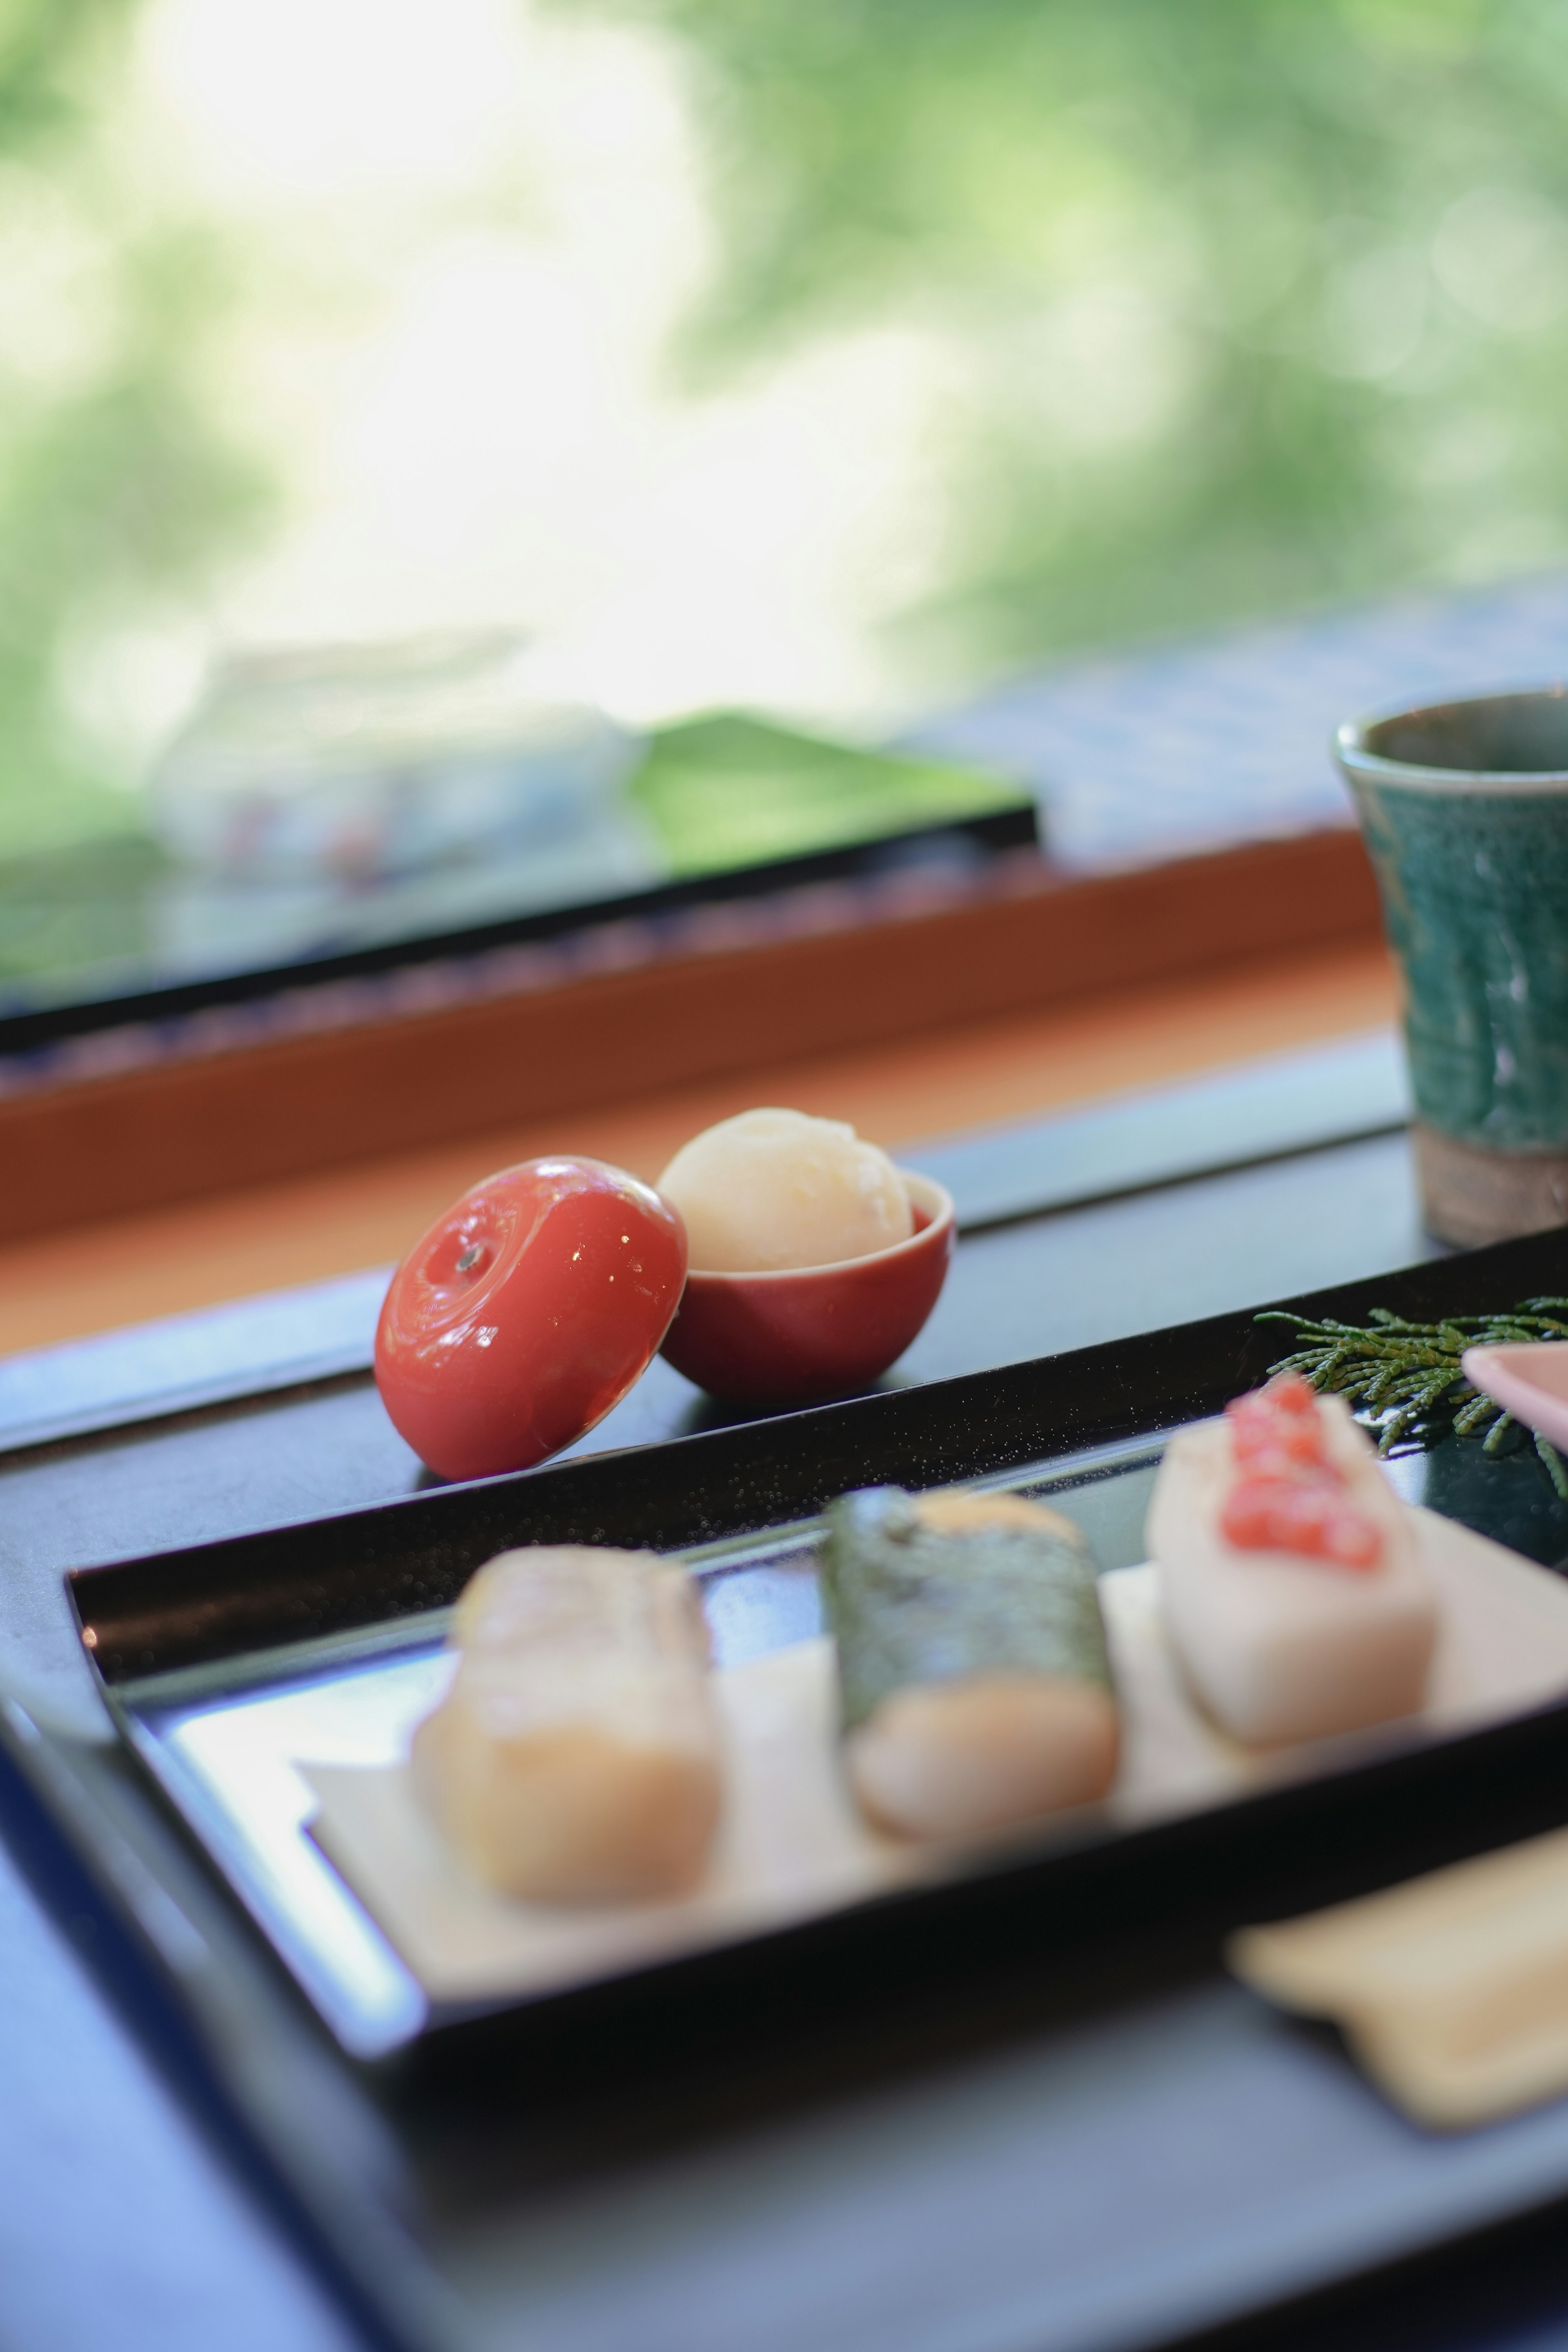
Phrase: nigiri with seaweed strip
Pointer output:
(974, 1675)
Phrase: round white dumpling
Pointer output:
(773, 1188)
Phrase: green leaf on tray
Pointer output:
(730, 791)
(1406, 1381)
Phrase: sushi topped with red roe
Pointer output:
(1288, 1494)
(1289, 1583)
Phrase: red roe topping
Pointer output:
(1288, 1494)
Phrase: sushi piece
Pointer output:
(1288, 1579)
(974, 1683)
(575, 1757)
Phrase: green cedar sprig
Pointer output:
(1406, 1380)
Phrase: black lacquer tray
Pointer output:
(213, 1658)
(1042, 2122)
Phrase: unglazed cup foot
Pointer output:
(1469, 1196)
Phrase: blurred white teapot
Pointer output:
(381, 759)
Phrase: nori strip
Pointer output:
(910, 1604)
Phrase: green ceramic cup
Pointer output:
(1464, 810)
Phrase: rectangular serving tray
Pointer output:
(258, 1632)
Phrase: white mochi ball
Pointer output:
(774, 1187)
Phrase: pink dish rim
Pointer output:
(939, 1211)
(1538, 1408)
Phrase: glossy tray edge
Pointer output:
(181, 1606)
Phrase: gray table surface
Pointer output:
(985, 2203)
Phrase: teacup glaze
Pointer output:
(800, 1333)
(1464, 810)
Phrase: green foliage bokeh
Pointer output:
(1338, 234)
(1238, 307)
(119, 484)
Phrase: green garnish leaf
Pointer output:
(1406, 1380)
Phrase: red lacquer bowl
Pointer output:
(790, 1336)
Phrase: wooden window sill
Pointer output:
(1023, 943)
(120, 1269)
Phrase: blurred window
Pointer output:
(824, 358)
